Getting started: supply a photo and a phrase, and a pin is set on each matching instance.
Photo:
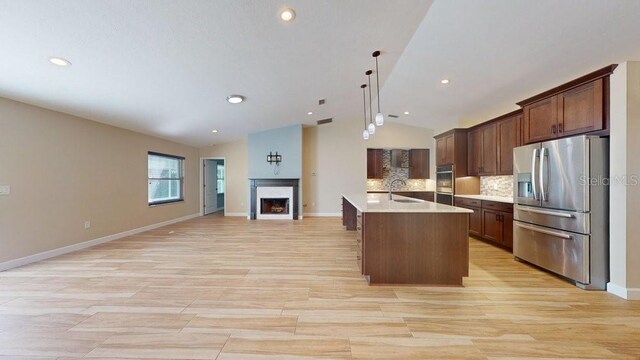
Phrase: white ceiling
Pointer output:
(498, 52)
(165, 67)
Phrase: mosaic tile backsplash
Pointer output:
(496, 185)
(391, 174)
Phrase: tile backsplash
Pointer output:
(496, 185)
(402, 173)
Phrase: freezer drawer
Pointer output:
(559, 219)
(562, 252)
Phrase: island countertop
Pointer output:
(377, 202)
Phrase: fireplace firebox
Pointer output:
(274, 206)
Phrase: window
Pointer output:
(220, 184)
(166, 176)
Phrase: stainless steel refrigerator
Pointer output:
(561, 208)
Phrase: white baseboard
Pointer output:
(83, 245)
(623, 292)
(235, 214)
(336, 214)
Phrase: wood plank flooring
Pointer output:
(228, 288)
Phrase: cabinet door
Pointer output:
(489, 150)
(374, 164)
(450, 149)
(507, 140)
(541, 120)
(580, 110)
(491, 225)
(475, 221)
(441, 149)
(507, 229)
(419, 164)
(474, 152)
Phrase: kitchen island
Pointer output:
(408, 241)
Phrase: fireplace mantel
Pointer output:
(255, 183)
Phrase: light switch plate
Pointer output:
(5, 189)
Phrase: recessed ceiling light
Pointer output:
(235, 99)
(310, 113)
(214, 131)
(59, 61)
(406, 113)
(287, 15)
(444, 81)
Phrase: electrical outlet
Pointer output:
(5, 189)
(87, 224)
(495, 186)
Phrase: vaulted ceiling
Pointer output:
(165, 68)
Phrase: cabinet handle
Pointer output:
(359, 228)
(553, 129)
(560, 128)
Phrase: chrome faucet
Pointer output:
(391, 185)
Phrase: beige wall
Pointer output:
(236, 157)
(64, 170)
(625, 198)
(335, 159)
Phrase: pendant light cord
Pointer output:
(370, 112)
(378, 84)
(364, 105)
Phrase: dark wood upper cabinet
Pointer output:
(419, 164)
(580, 109)
(374, 164)
(541, 120)
(508, 138)
(451, 149)
(577, 107)
(489, 149)
(482, 150)
(474, 156)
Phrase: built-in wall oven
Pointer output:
(445, 181)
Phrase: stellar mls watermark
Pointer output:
(624, 180)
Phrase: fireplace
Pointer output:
(273, 199)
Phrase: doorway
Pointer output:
(213, 185)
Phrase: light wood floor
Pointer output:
(227, 288)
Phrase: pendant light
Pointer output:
(372, 126)
(379, 116)
(365, 132)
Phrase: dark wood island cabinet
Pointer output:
(417, 243)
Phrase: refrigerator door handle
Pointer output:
(548, 232)
(534, 155)
(552, 213)
(543, 196)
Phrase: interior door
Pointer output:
(210, 186)
(564, 174)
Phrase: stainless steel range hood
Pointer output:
(397, 156)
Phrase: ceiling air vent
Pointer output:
(325, 121)
(322, 101)
(393, 116)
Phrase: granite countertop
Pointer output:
(503, 199)
(395, 191)
(375, 202)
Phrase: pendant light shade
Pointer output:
(379, 119)
(365, 132)
(379, 116)
(372, 126)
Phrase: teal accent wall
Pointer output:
(287, 141)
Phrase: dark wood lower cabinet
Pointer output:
(491, 221)
(349, 213)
